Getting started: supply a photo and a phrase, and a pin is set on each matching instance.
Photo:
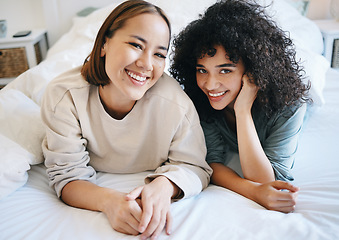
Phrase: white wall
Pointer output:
(29, 14)
(22, 14)
(58, 19)
(319, 9)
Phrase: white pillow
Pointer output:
(14, 164)
(300, 27)
(315, 67)
(20, 121)
(308, 41)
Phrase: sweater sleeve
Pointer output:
(64, 147)
(282, 142)
(186, 166)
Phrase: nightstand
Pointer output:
(19, 54)
(330, 31)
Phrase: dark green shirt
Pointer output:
(278, 136)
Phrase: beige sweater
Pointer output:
(162, 133)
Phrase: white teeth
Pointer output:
(216, 94)
(136, 77)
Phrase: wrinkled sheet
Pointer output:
(34, 212)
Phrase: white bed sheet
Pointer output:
(34, 212)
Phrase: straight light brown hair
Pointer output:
(93, 69)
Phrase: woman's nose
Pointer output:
(211, 83)
(145, 62)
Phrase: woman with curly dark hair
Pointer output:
(256, 100)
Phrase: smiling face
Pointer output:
(134, 58)
(219, 78)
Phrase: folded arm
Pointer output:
(123, 214)
(269, 195)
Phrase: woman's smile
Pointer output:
(216, 96)
(137, 79)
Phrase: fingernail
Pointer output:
(141, 229)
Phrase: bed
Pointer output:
(30, 209)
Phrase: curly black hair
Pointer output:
(246, 32)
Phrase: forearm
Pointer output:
(124, 215)
(86, 195)
(267, 195)
(225, 177)
(254, 162)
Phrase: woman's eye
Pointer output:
(136, 45)
(223, 71)
(160, 55)
(200, 70)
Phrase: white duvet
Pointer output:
(29, 208)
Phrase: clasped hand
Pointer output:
(144, 210)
